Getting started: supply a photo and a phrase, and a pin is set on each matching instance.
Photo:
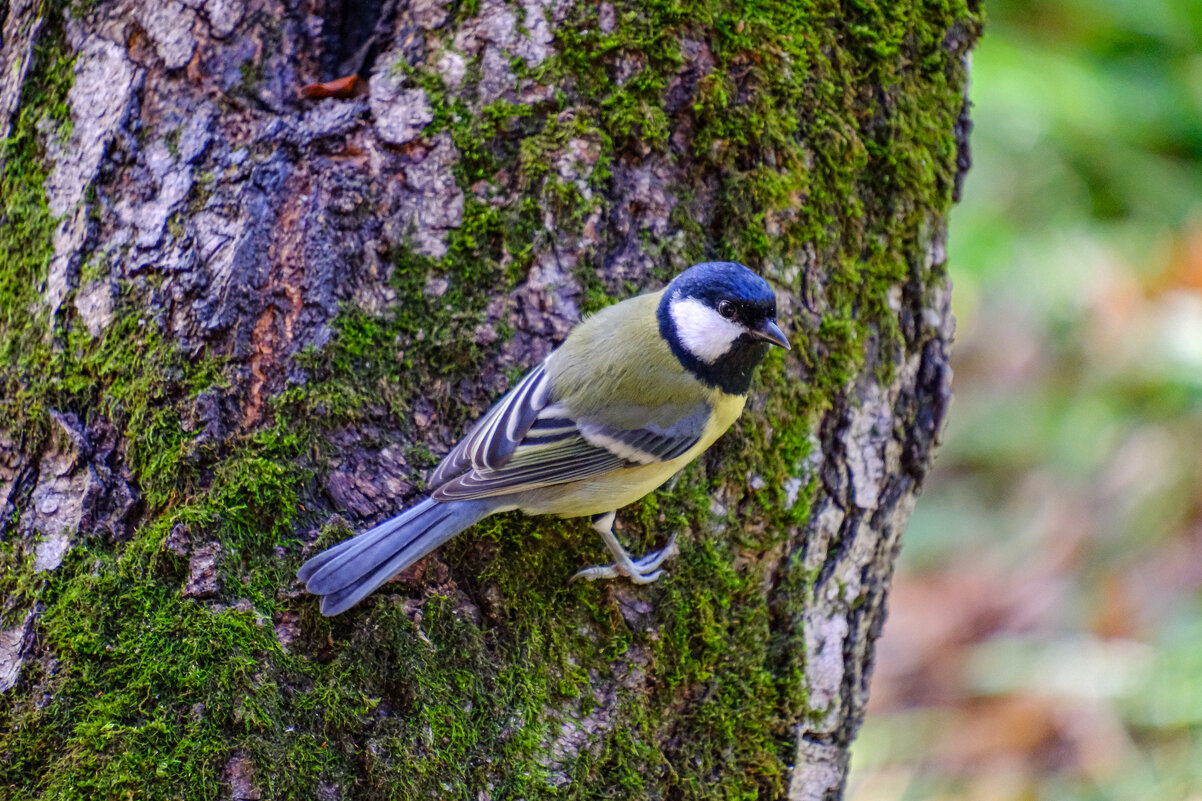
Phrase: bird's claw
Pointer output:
(643, 570)
(614, 571)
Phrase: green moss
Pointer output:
(818, 126)
(26, 226)
(95, 269)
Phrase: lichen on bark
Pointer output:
(238, 324)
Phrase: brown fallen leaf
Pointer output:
(340, 88)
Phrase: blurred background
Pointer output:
(1045, 629)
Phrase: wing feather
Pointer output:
(525, 441)
(557, 450)
(493, 440)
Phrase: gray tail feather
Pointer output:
(351, 570)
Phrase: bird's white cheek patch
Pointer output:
(703, 332)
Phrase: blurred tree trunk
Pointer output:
(240, 320)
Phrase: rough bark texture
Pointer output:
(238, 323)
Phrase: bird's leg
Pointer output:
(641, 571)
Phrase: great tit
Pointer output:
(633, 394)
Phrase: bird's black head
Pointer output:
(719, 318)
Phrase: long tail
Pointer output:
(348, 572)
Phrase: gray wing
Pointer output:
(495, 437)
(526, 442)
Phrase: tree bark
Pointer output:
(240, 321)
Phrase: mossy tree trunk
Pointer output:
(239, 323)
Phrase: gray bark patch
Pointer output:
(57, 506)
(401, 114)
(429, 203)
(223, 16)
(100, 100)
(14, 645)
(239, 777)
(202, 572)
(169, 25)
(819, 772)
(94, 303)
(81, 485)
(17, 38)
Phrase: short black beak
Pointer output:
(771, 332)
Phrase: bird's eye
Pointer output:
(726, 309)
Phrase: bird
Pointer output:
(634, 393)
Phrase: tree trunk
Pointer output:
(241, 321)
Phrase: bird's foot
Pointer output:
(644, 570)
